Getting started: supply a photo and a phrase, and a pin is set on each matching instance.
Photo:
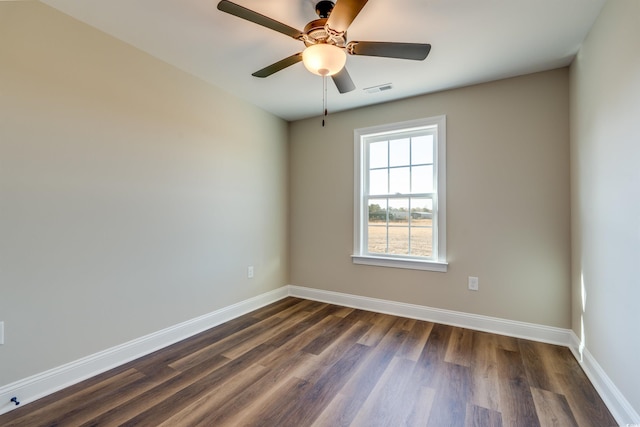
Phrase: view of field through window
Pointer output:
(400, 196)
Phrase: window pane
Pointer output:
(399, 211)
(399, 152)
(399, 180)
(422, 179)
(421, 241)
(422, 149)
(377, 243)
(421, 233)
(378, 211)
(398, 240)
(378, 155)
(377, 226)
(421, 208)
(379, 181)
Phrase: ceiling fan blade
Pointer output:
(343, 14)
(280, 65)
(255, 17)
(415, 51)
(343, 81)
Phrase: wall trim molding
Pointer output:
(619, 406)
(531, 331)
(40, 385)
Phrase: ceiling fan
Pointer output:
(326, 41)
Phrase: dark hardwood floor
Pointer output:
(304, 363)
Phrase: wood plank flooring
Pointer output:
(303, 363)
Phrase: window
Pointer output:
(400, 200)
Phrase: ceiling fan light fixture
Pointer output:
(324, 59)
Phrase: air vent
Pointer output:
(379, 88)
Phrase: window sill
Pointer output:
(412, 264)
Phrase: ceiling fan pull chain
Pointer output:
(324, 98)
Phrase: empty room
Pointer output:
(239, 213)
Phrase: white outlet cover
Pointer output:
(473, 283)
(1, 333)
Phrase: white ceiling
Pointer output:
(472, 41)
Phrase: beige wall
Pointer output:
(605, 146)
(132, 195)
(507, 202)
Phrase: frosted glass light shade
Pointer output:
(324, 59)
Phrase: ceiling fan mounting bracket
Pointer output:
(324, 8)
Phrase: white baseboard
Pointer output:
(476, 322)
(35, 387)
(619, 406)
(611, 396)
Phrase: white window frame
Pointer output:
(360, 254)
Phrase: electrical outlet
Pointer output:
(1, 333)
(250, 272)
(473, 283)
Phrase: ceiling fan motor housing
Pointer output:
(316, 32)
